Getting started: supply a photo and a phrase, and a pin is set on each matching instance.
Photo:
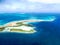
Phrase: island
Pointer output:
(18, 27)
(21, 26)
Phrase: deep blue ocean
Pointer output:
(48, 33)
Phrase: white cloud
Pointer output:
(30, 6)
(45, 1)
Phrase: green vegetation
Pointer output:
(2, 28)
(21, 23)
(20, 30)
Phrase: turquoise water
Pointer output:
(5, 18)
(48, 32)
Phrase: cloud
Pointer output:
(30, 6)
(45, 1)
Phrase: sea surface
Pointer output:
(48, 32)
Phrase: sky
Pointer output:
(26, 6)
